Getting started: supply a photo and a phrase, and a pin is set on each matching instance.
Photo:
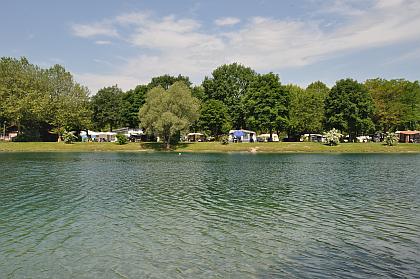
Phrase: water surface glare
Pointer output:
(161, 215)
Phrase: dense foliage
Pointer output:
(121, 139)
(214, 118)
(229, 84)
(107, 106)
(397, 104)
(349, 108)
(41, 104)
(265, 104)
(390, 139)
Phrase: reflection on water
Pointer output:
(122, 215)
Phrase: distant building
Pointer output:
(409, 136)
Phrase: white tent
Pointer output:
(100, 136)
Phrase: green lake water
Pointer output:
(161, 215)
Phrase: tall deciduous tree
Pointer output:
(19, 92)
(229, 84)
(214, 118)
(349, 108)
(166, 81)
(38, 101)
(266, 103)
(296, 110)
(67, 102)
(166, 113)
(306, 108)
(397, 103)
(410, 118)
(107, 107)
(132, 101)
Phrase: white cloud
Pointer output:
(98, 81)
(227, 21)
(344, 7)
(135, 18)
(172, 45)
(92, 30)
(388, 3)
(103, 42)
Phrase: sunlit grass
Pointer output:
(279, 147)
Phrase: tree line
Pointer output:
(42, 103)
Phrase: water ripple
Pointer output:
(113, 215)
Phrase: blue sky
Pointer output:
(127, 42)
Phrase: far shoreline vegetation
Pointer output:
(42, 106)
(210, 147)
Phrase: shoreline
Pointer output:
(211, 147)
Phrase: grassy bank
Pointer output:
(280, 147)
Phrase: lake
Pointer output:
(164, 215)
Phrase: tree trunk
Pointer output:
(59, 139)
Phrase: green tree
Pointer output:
(166, 113)
(318, 87)
(349, 108)
(297, 117)
(410, 99)
(132, 101)
(386, 96)
(214, 118)
(229, 84)
(198, 92)
(315, 95)
(265, 103)
(166, 81)
(20, 91)
(306, 108)
(106, 107)
(39, 101)
(67, 102)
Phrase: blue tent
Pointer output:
(238, 134)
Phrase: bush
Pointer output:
(333, 137)
(391, 139)
(304, 138)
(224, 140)
(68, 137)
(121, 139)
(25, 138)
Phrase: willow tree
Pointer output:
(167, 113)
